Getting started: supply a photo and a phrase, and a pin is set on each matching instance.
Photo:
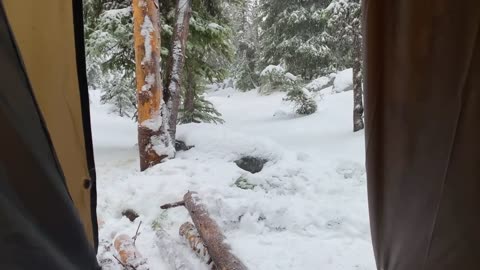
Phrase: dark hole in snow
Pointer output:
(251, 164)
(130, 214)
(182, 146)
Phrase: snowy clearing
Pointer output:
(307, 210)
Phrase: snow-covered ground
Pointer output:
(308, 209)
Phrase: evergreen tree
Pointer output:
(196, 109)
(343, 26)
(300, 97)
(110, 51)
(246, 43)
(344, 19)
(294, 35)
(209, 53)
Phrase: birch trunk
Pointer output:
(177, 60)
(154, 143)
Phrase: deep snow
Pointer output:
(309, 207)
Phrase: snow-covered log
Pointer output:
(129, 256)
(211, 234)
(173, 255)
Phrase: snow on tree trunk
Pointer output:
(358, 123)
(154, 142)
(177, 60)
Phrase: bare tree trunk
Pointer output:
(151, 132)
(211, 234)
(177, 58)
(189, 102)
(358, 123)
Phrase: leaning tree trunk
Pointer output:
(153, 140)
(177, 60)
(358, 123)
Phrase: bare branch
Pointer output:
(136, 233)
(172, 205)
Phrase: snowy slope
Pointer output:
(309, 207)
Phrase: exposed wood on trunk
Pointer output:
(191, 235)
(177, 60)
(129, 256)
(211, 234)
(358, 123)
(149, 84)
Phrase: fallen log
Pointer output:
(169, 249)
(130, 258)
(211, 234)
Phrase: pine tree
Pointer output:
(293, 34)
(209, 53)
(196, 109)
(344, 19)
(245, 67)
(300, 97)
(110, 52)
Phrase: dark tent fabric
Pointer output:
(422, 105)
(40, 226)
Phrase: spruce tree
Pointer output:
(294, 35)
(344, 19)
(110, 52)
(209, 53)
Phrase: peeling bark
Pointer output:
(129, 256)
(149, 82)
(191, 235)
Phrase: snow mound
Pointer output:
(343, 81)
(272, 69)
(321, 83)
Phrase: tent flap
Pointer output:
(49, 36)
(422, 104)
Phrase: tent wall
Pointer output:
(422, 104)
(39, 225)
(49, 42)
